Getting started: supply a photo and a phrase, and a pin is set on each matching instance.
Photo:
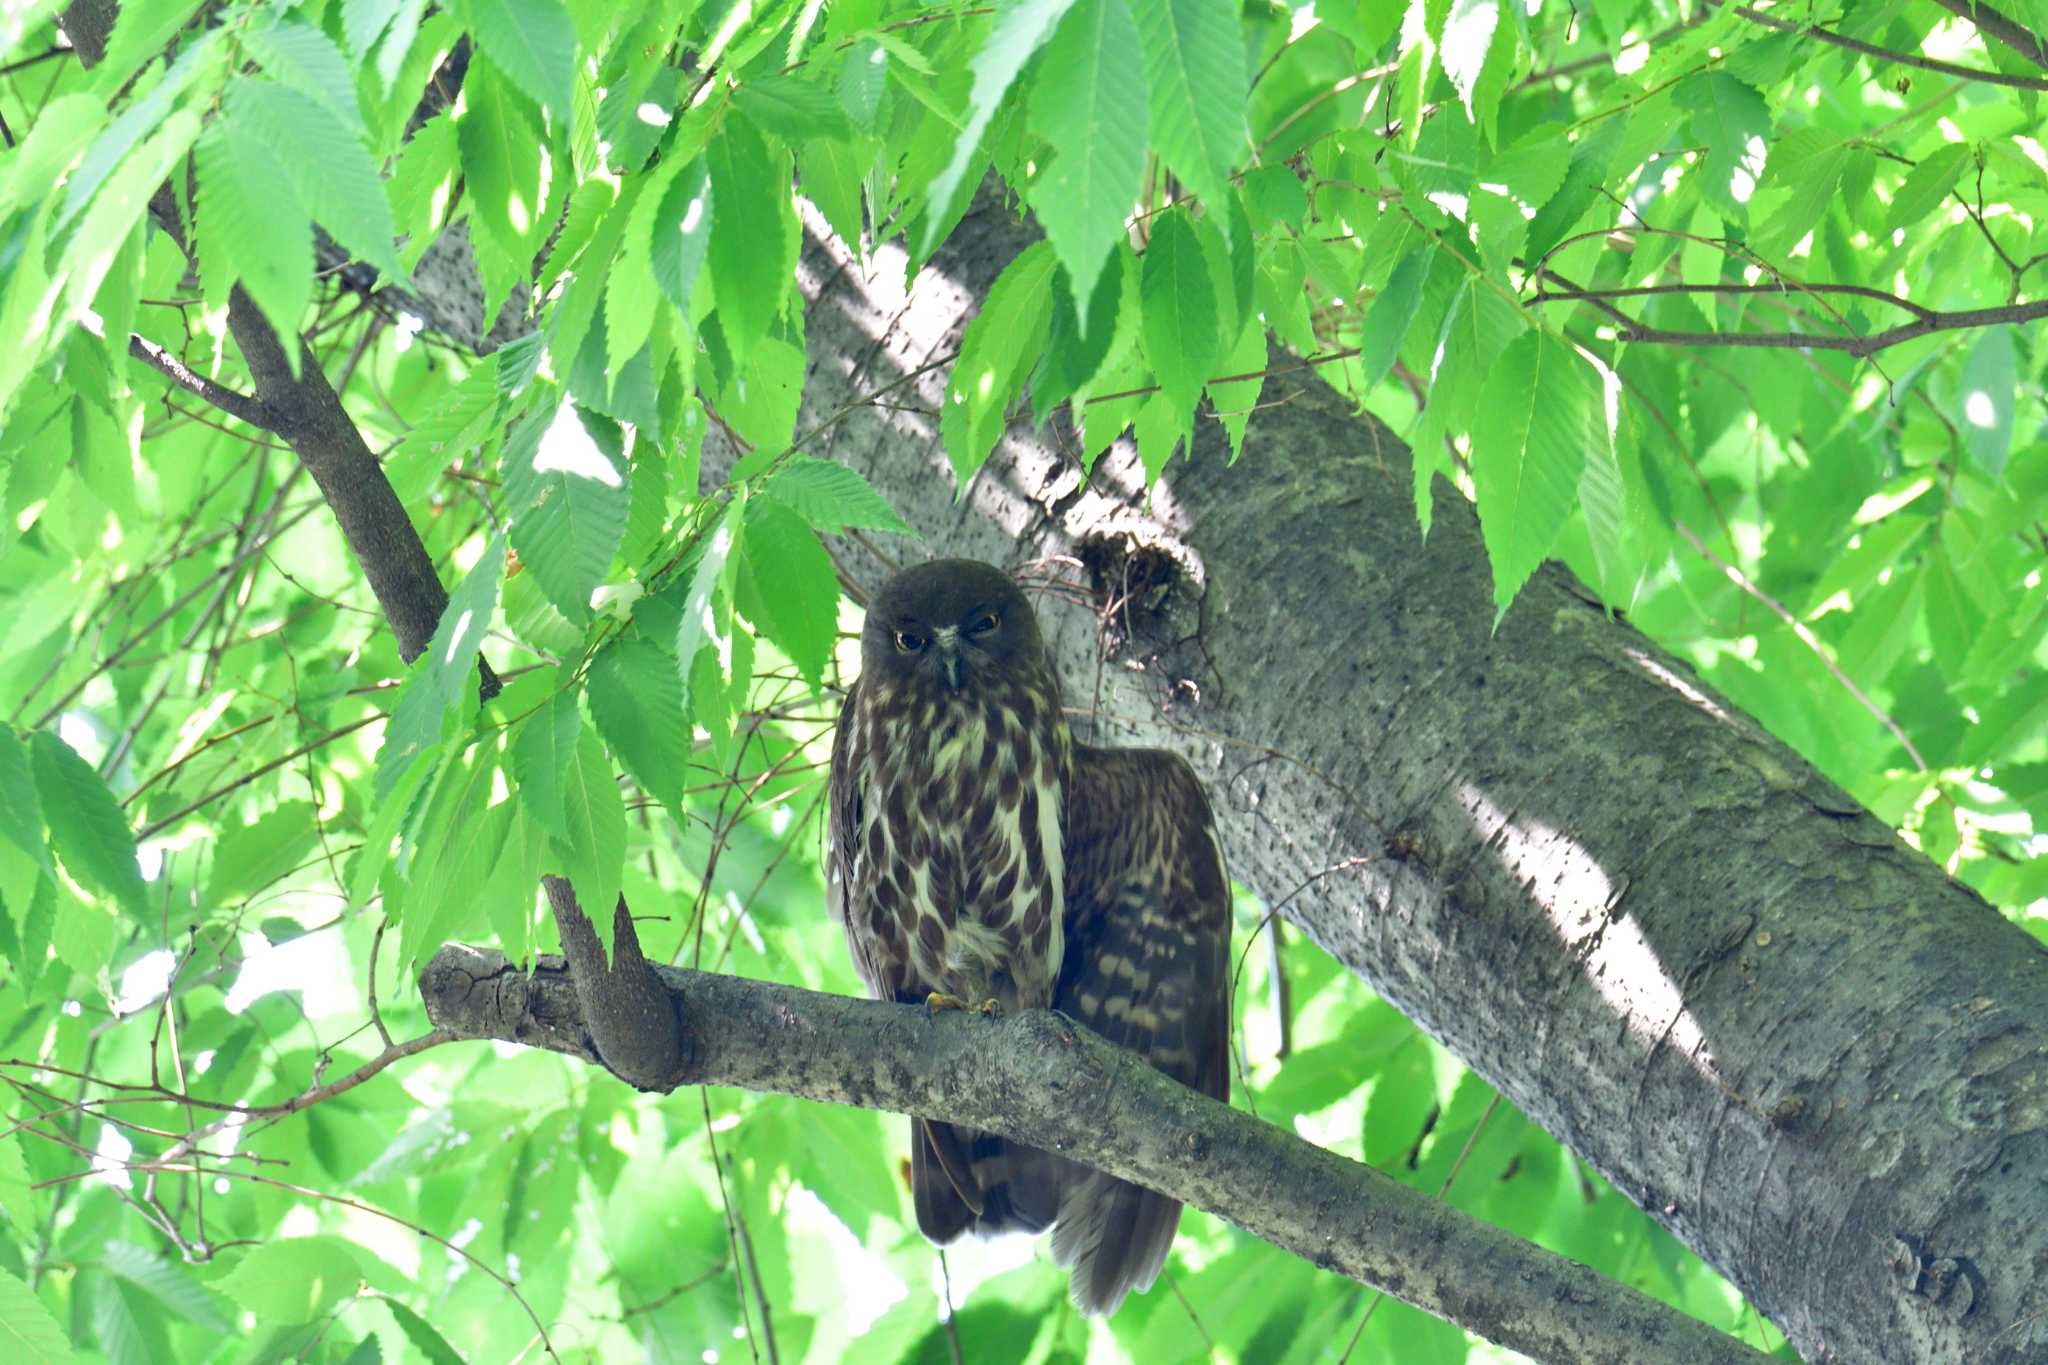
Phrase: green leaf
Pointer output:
(31, 1336)
(249, 858)
(1733, 121)
(749, 200)
(532, 42)
(441, 692)
(831, 497)
(1989, 389)
(1195, 86)
(1810, 164)
(636, 698)
(459, 845)
(542, 754)
(1179, 298)
(1529, 440)
(1089, 103)
(251, 226)
(995, 356)
(1017, 32)
(168, 1285)
(86, 825)
(1233, 400)
(326, 163)
(792, 591)
(1074, 354)
(708, 599)
(1926, 185)
(294, 1279)
(793, 109)
(1386, 322)
(301, 57)
(595, 851)
(1583, 176)
(21, 819)
(568, 498)
(421, 1333)
(501, 165)
(682, 235)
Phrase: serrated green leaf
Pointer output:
(21, 820)
(458, 426)
(421, 1333)
(1810, 163)
(636, 698)
(533, 43)
(1089, 103)
(543, 752)
(253, 856)
(749, 200)
(295, 1279)
(1529, 440)
(707, 600)
(364, 21)
(1073, 355)
(682, 235)
(251, 228)
(17, 1199)
(1926, 185)
(1733, 121)
(594, 854)
(325, 162)
(501, 164)
(995, 355)
(1387, 321)
(1584, 173)
(1989, 390)
(568, 498)
(1017, 32)
(297, 55)
(459, 845)
(441, 691)
(86, 825)
(1196, 88)
(831, 497)
(792, 108)
(167, 1284)
(30, 1334)
(1233, 399)
(1179, 298)
(792, 591)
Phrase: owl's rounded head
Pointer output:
(948, 623)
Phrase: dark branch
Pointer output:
(237, 405)
(1928, 322)
(1885, 54)
(1992, 24)
(1039, 1078)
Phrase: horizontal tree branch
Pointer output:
(1037, 1077)
(237, 405)
(1886, 54)
(1992, 24)
(1868, 344)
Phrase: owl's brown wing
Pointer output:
(872, 937)
(1147, 961)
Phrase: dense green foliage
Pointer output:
(1564, 253)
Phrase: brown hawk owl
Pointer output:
(979, 853)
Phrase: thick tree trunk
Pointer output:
(1661, 933)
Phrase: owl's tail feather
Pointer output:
(962, 1179)
(1114, 1235)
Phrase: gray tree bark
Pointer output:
(1659, 932)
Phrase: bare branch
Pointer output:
(1885, 54)
(1037, 1077)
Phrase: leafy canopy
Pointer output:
(1726, 309)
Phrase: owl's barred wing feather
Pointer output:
(1148, 942)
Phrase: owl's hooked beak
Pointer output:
(948, 640)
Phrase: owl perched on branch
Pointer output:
(979, 854)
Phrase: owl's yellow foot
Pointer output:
(939, 1000)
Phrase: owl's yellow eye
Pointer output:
(911, 641)
(982, 624)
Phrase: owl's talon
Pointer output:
(939, 1000)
